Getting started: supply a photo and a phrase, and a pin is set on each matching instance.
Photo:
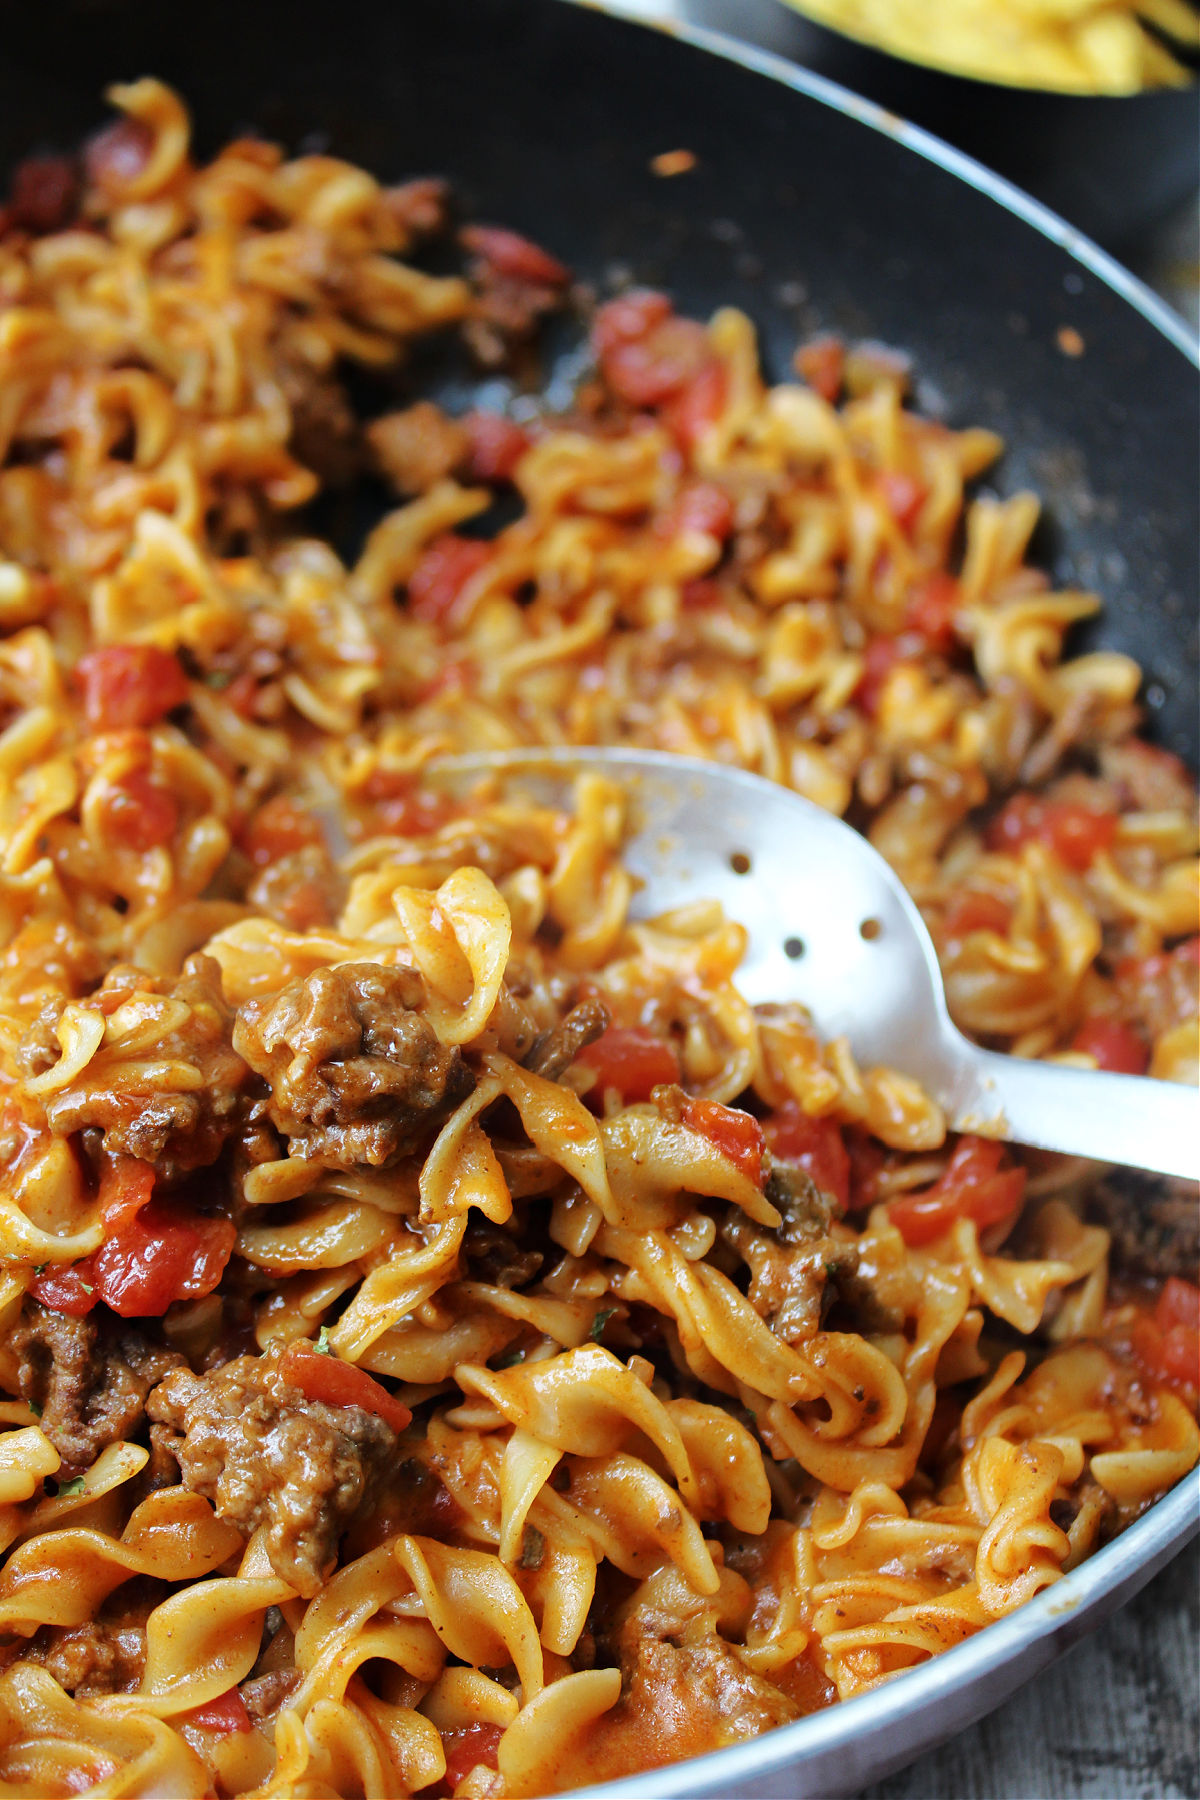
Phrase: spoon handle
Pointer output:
(1126, 1119)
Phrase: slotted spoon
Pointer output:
(831, 926)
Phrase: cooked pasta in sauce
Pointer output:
(452, 1343)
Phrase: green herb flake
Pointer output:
(322, 1344)
(600, 1321)
(218, 678)
(509, 1360)
(34, 1408)
(40, 1268)
(533, 1548)
(86, 1286)
(68, 1488)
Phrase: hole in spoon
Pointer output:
(793, 948)
(739, 862)
(870, 929)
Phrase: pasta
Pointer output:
(1069, 46)
(452, 1343)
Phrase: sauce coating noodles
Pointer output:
(453, 1344)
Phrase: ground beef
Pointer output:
(302, 889)
(496, 1255)
(356, 1075)
(1154, 1221)
(265, 1455)
(795, 1269)
(417, 447)
(681, 1699)
(175, 1129)
(89, 1376)
(324, 434)
(107, 1655)
(555, 1050)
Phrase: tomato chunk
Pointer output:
(129, 686)
(495, 446)
(973, 1186)
(904, 496)
(1114, 1045)
(442, 573)
(332, 1382)
(1076, 834)
(882, 655)
(822, 363)
(734, 1133)
(126, 1185)
(139, 814)
(511, 254)
(278, 828)
(969, 909)
(1168, 1344)
(404, 808)
(699, 506)
(631, 1060)
(816, 1144)
(220, 1717)
(931, 607)
(465, 1749)
(167, 1252)
(65, 1288)
(690, 413)
(629, 317)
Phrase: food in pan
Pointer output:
(451, 1343)
(1072, 46)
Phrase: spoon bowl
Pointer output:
(830, 925)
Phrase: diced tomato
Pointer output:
(118, 155)
(903, 495)
(931, 608)
(1114, 1045)
(405, 809)
(306, 905)
(822, 363)
(1076, 834)
(496, 446)
(969, 909)
(688, 416)
(973, 1186)
(1168, 1344)
(648, 370)
(242, 694)
(139, 814)
(220, 1717)
(465, 1749)
(66, 1288)
(126, 1185)
(699, 506)
(278, 828)
(167, 1252)
(698, 595)
(445, 567)
(736, 1134)
(129, 686)
(332, 1382)
(631, 1060)
(882, 655)
(629, 317)
(816, 1144)
(511, 254)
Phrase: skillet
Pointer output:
(812, 210)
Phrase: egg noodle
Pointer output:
(1068, 46)
(452, 1343)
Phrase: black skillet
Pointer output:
(809, 209)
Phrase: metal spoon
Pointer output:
(831, 926)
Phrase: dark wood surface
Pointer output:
(1117, 1719)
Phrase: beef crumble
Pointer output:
(795, 1268)
(89, 1376)
(1153, 1220)
(265, 1454)
(356, 1074)
(555, 1050)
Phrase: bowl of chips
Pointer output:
(1091, 105)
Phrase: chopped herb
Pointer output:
(34, 1408)
(74, 1486)
(599, 1322)
(533, 1548)
(86, 1286)
(322, 1344)
(218, 678)
(509, 1359)
(40, 1268)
